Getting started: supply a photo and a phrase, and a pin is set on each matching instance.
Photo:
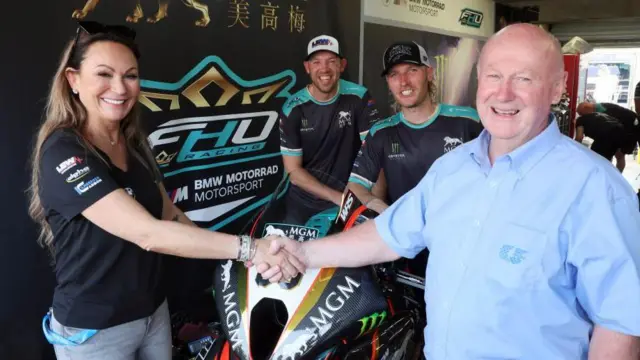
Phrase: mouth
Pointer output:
(406, 92)
(505, 112)
(325, 79)
(113, 101)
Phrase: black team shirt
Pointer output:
(102, 280)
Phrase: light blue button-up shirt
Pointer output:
(526, 255)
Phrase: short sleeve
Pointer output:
(579, 122)
(72, 178)
(401, 225)
(290, 143)
(368, 115)
(604, 252)
(367, 164)
(637, 93)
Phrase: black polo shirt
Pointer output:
(326, 135)
(406, 151)
(601, 127)
(628, 119)
(102, 280)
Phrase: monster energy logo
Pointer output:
(305, 123)
(471, 18)
(442, 65)
(395, 147)
(371, 322)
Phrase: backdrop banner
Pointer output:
(214, 75)
(453, 59)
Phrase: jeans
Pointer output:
(143, 339)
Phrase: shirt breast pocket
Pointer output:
(516, 260)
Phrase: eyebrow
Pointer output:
(112, 69)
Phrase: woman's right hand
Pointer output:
(288, 265)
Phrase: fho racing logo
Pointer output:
(220, 159)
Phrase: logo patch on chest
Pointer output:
(344, 118)
(512, 254)
(396, 151)
(451, 143)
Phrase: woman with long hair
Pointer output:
(103, 210)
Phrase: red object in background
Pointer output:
(572, 67)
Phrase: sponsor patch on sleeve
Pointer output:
(85, 186)
(78, 174)
(68, 164)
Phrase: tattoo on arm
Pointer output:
(176, 218)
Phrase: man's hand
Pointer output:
(280, 264)
(278, 245)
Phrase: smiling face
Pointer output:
(107, 81)
(519, 77)
(409, 84)
(324, 69)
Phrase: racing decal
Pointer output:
(296, 232)
(78, 174)
(68, 164)
(85, 186)
(371, 322)
(216, 139)
(230, 296)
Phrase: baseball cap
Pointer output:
(323, 43)
(404, 52)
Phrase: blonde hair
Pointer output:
(65, 111)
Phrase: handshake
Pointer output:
(278, 258)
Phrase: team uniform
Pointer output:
(327, 136)
(405, 152)
(102, 280)
(628, 119)
(607, 132)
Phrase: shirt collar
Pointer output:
(525, 157)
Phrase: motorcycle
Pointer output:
(329, 313)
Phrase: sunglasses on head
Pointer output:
(93, 27)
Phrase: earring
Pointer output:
(75, 91)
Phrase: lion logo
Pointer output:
(137, 14)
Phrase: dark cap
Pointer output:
(404, 53)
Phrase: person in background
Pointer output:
(533, 238)
(608, 134)
(103, 211)
(321, 130)
(405, 145)
(626, 117)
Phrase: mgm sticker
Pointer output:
(296, 232)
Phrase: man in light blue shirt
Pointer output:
(534, 239)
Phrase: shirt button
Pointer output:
(476, 222)
(493, 184)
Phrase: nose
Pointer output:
(505, 92)
(118, 86)
(404, 79)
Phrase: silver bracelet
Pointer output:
(244, 252)
(254, 248)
